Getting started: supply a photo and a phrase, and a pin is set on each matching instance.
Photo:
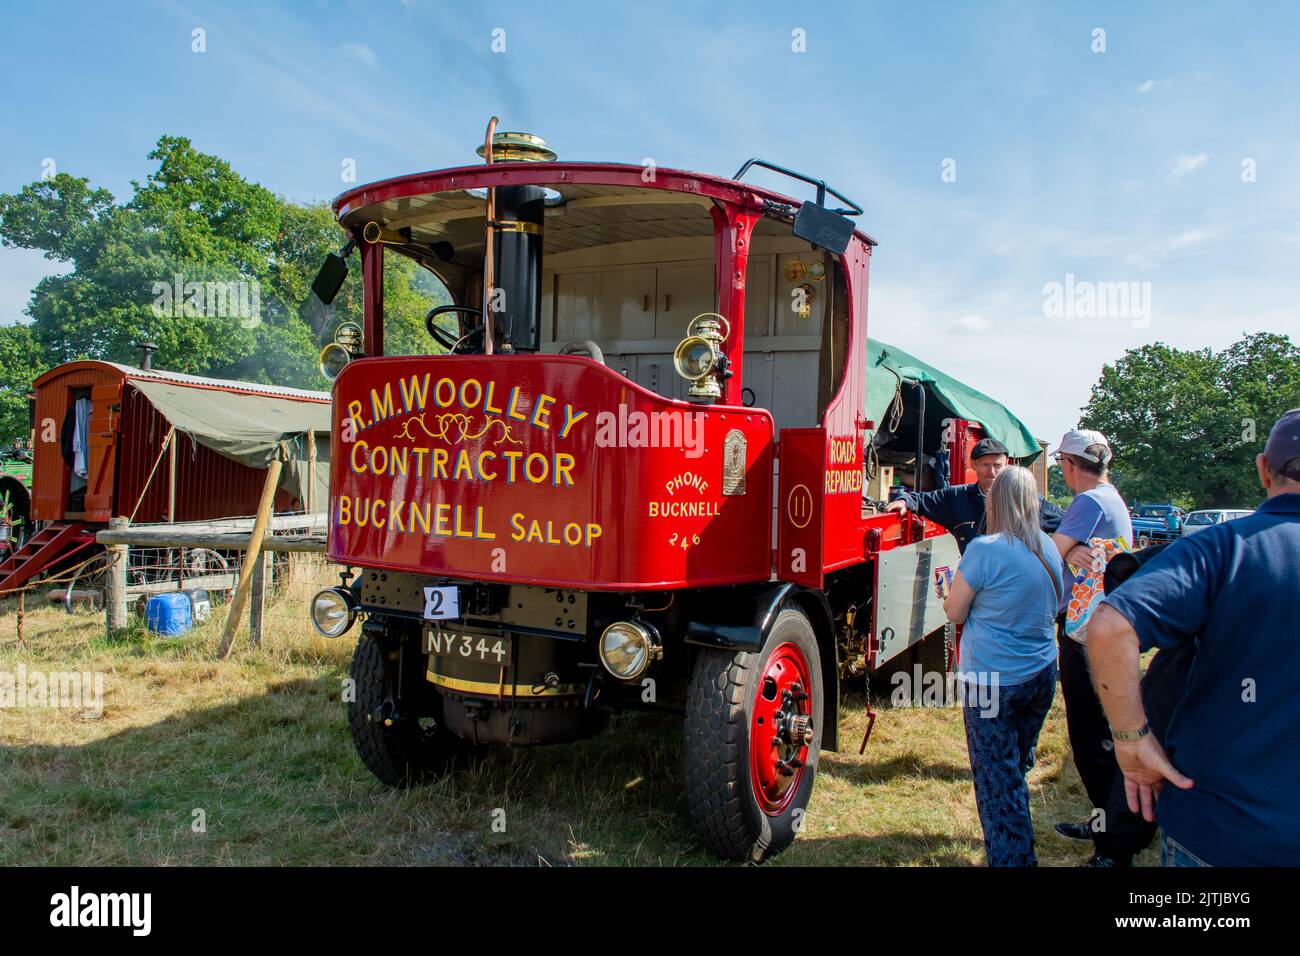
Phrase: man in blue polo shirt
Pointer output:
(1232, 751)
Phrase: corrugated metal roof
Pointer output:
(256, 388)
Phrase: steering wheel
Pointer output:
(447, 341)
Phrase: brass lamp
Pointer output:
(698, 357)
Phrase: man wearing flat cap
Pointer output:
(960, 508)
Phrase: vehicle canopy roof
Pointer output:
(591, 204)
(887, 365)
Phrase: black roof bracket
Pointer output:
(822, 189)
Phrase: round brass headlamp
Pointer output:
(627, 648)
(332, 359)
(333, 612)
(694, 358)
(699, 355)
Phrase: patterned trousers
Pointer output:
(1001, 746)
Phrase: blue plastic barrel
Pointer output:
(169, 613)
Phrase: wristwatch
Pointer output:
(1130, 734)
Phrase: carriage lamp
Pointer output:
(628, 647)
(698, 358)
(347, 345)
(333, 611)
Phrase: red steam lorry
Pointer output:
(639, 484)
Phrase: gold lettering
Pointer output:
(418, 516)
(414, 397)
(542, 412)
(570, 420)
(563, 465)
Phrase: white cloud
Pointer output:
(1150, 85)
(1187, 164)
(1153, 254)
(973, 324)
(359, 51)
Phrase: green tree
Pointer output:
(1057, 490)
(146, 268)
(20, 363)
(1187, 425)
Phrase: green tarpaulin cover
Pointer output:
(249, 429)
(960, 400)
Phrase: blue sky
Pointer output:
(1117, 166)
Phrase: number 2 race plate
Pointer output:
(441, 603)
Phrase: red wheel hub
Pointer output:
(781, 728)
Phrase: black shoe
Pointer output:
(1098, 859)
(1074, 831)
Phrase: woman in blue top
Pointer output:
(1006, 592)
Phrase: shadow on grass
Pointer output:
(884, 771)
(272, 779)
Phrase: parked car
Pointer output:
(1156, 523)
(1200, 520)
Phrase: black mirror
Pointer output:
(823, 227)
(330, 278)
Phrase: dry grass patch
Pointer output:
(259, 746)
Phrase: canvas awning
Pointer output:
(959, 400)
(250, 429)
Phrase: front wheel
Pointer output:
(753, 735)
(399, 736)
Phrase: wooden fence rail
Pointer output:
(296, 534)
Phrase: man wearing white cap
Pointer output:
(1097, 511)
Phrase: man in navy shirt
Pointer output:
(1231, 750)
(960, 508)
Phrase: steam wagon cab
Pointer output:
(640, 484)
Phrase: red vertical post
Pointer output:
(733, 230)
(372, 272)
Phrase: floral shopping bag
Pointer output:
(1087, 594)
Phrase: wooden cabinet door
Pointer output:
(684, 291)
(106, 411)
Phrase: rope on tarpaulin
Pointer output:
(171, 435)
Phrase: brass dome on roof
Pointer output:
(518, 148)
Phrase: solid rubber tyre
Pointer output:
(725, 801)
(406, 754)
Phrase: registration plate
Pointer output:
(487, 648)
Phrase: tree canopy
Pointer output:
(1187, 425)
(197, 228)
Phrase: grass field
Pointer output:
(258, 750)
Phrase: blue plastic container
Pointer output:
(169, 613)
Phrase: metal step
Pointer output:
(52, 543)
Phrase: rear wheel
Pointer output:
(1144, 541)
(399, 736)
(752, 738)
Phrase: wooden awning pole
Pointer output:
(251, 557)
